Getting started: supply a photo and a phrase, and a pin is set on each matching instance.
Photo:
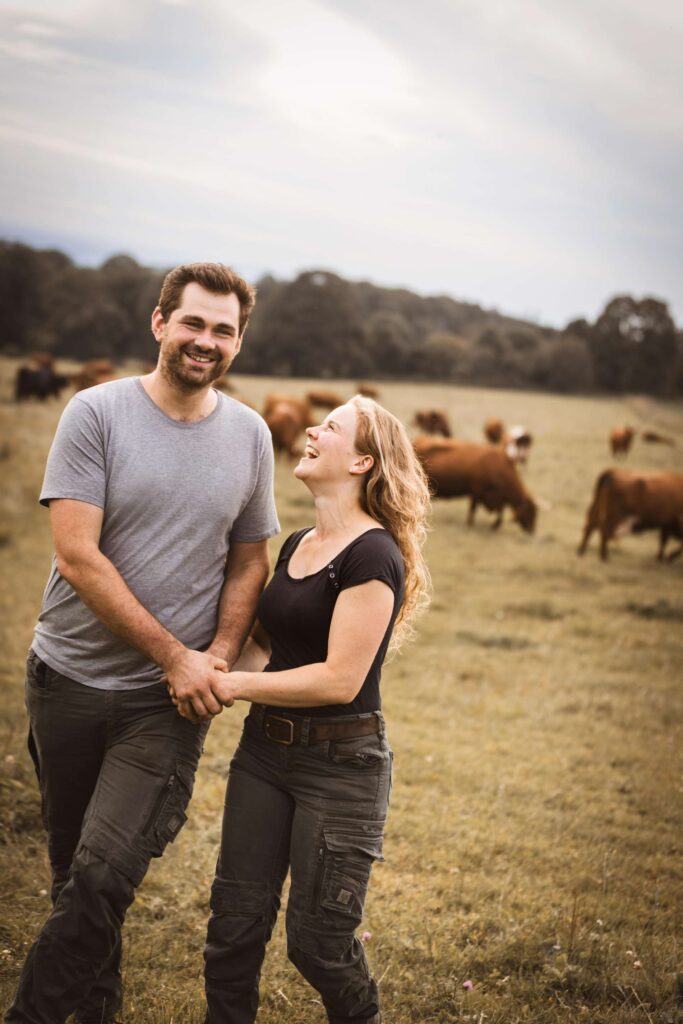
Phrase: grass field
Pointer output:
(535, 835)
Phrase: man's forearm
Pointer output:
(237, 609)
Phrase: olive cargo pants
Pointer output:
(319, 811)
(116, 770)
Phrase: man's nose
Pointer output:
(204, 339)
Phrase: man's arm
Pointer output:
(246, 572)
(76, 529)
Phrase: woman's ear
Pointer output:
(362, 464)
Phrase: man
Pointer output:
(160, 497)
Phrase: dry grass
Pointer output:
(534, 842)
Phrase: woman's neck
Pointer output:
(335, 517)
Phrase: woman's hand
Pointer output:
(227, 685)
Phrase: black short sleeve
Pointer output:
(373, 556)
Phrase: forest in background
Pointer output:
(322, 325)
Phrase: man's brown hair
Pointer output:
(216, 278)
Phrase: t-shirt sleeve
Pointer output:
(375, 556)
(258, 519)
(76, 462)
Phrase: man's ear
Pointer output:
(238, 346)
(158, 324)
(363, 464)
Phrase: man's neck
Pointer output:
(184, 406)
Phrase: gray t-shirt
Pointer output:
(174, 495)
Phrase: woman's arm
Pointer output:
(359, 622)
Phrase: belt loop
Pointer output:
(305, 730)
(382, 724)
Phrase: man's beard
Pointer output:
(181, 376)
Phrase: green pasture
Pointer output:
(536, 827)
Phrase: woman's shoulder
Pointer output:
(373, 554)
(376, 538)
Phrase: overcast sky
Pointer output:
(524, 154)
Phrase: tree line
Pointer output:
(321, 325)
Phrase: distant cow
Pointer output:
(486, 475)
(494, 430)
(635, 501)
(621, 439)
(39, 382)
(287, 417)
(369, 390)
(518, 443)
(324, 399)
(94, 371)
(652, 437)
(433, 421)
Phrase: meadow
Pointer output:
(533, 865)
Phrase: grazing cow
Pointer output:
(652, 437)
(486, 475)
(494, 431)
(287, 417)
(621, 439)
(433, 421)
(94, 371)
(369, 390)
(324, 399)
(635, 501)
(517, 444)
(38, 380)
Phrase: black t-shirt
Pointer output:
(297, 613)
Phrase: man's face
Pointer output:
(200, 339)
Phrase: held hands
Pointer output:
(193, 680)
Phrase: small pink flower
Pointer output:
(366, 936)
(468, 984)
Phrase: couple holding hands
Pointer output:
(154, 619)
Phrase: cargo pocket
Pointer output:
(348, 851)
(168, 815)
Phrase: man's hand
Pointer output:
(191, 677)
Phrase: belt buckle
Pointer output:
(276, 718)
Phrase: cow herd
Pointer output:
(487, 473)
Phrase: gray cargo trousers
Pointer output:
(116, 770)
(317, 810)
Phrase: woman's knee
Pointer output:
(242, 918)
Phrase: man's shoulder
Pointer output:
(243, 416)
(108, 393)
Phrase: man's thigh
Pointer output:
(145, 783)
(67, 737)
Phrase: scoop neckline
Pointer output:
(330, 564)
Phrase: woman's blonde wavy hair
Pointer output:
(395, 493)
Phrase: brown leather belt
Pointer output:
(288, 731)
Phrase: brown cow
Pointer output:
(653, 437)
(625, 500)
(433, 421)
(369, 390)
(94, 371)
(324, 399)
(621, 439)
(287, 417)
(494, 430)
(458, 469)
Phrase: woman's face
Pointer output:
(330, 448)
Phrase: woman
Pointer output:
(309, 784)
